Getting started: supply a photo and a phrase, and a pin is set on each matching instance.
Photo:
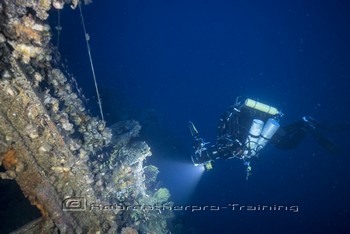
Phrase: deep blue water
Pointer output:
(167, 62)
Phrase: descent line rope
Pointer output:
(58, 28)
(91, 63)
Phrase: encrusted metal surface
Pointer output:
(54, 149)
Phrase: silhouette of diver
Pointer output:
(247, 126)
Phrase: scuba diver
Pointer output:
(245, 129)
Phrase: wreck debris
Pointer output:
(54, 149)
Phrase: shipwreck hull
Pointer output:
(62, 158)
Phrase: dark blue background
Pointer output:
(168, 62)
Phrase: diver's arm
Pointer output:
(204, 152)
(224, 125)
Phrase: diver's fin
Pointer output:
(324, 142)
(312, 126)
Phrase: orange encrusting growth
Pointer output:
(10, 159)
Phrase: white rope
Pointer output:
(91, 63)
(58, 28)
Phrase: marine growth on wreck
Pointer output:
(82, 175)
